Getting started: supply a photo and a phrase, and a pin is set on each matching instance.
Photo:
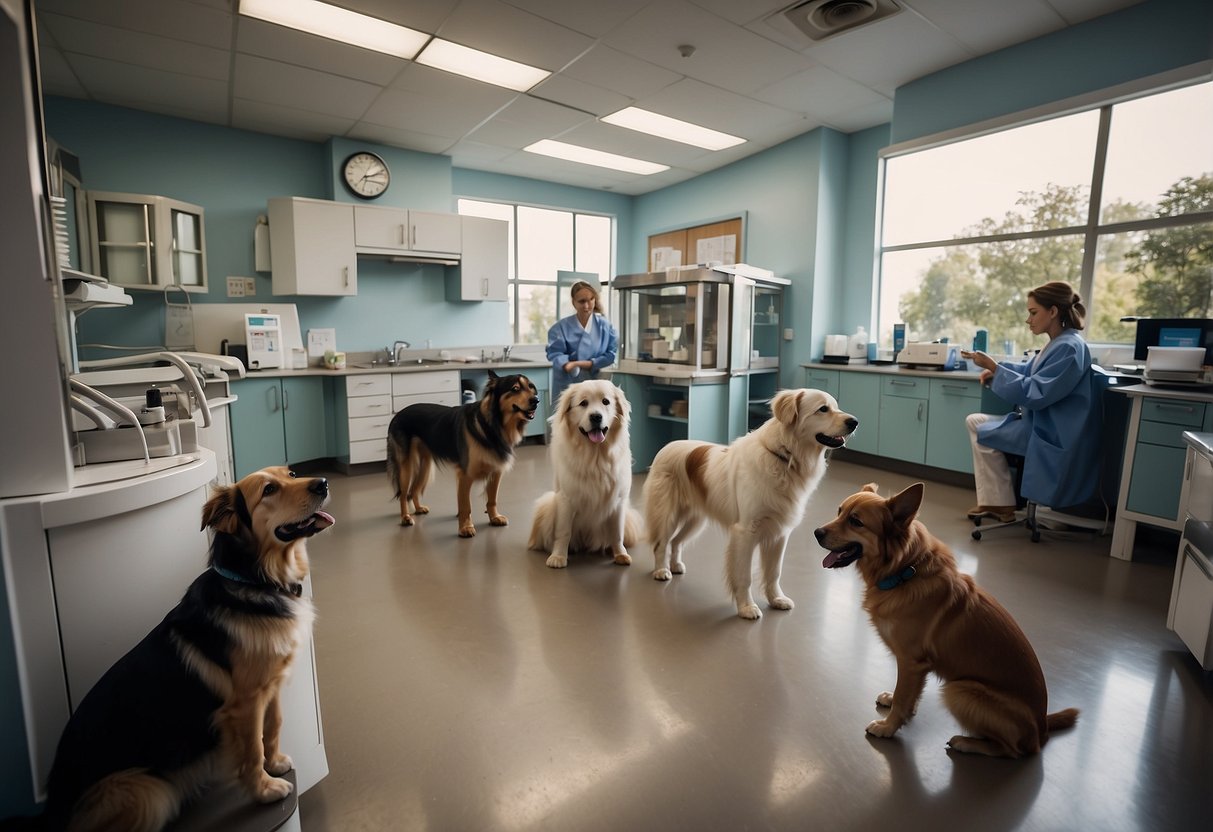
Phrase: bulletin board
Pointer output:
(715, 241)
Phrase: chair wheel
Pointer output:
(976, 535)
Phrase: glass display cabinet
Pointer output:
(141, 241)
(698, 352)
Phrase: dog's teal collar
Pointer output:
(894, 581)
(293, 589)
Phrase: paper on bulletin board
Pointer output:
(665, 257)
(721, 249)
(320, 341)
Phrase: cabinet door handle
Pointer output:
(899, 383)
(274, 404)
(345, 275)
(286, 402)
(401, 233)
(961, 388)
(1177, 407)
(920, 411)
(413, 236)
(484, 287)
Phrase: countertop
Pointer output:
(894, 370)
(500, 367)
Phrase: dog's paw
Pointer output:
(420, 509)
(678, 567)
(273, 788)
(968, 745)
(406, 520)
(749, 612)
(881, 728)
(467, 531)
(499, 520)
(623, 558)
(280, 764)
(782, 602)
(885, 699)
(662, 574)
(558, 561)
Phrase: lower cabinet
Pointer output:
(859, 395)
(904, 406)
(947, 437)
(366, 404)
(277, 421)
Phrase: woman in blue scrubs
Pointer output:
(581, 344)
(1052, 395)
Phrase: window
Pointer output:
(543, 242)
(1117, 200)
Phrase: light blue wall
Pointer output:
(1136, 42)
(856, 305)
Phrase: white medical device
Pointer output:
(263, 335)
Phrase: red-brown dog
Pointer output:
(935, 619)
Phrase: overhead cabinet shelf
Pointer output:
(140, 241)
(315, 245)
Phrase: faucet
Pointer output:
(505, 352)
(396, 350)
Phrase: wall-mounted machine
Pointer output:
(263, 334)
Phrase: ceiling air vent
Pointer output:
(820, 19)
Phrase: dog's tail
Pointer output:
(633, 527)
(1062, 720)
(543, 525)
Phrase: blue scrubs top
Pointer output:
(568, 341)
(1056, 423)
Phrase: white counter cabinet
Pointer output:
(366, 403)
(312, 247)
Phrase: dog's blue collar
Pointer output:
(293, 589)
(894, 581)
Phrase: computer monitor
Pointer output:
(1173, 332)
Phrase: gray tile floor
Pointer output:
(466, 686)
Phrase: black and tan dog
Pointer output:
(935, 619)
(196, 701)
(477, 438)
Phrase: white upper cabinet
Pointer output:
(483, 270)
(379, 230)
(312, 247)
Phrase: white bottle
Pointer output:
(857, 349)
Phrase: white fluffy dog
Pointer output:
(589, 508)
(756, 488)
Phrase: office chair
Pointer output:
(1089, 455)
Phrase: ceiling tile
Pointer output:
(743, 13)
(469, 154)
(508, 32)
(408, 139)
(619, 72)
(435, 83)
(423, 15)
(611, 139)
(57, 76)
(725, 56)
(580, 95)
(284, 121)
(986, 25)
(112, 81)
(861, 118)
(708, 106)
(124, 45)
(590, 17)
(436, 116)
(527, 120)
(290, 46)
(259, 79)
(1076, 11)
(191, 22)
(819, 91)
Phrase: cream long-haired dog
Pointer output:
(589, 507)
(755, 488)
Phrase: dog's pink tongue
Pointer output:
(831, 559)
(596, 436)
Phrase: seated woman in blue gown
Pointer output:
(1049, 425)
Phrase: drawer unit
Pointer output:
(947, 438)
(365, 413)
(903, 418)
(826, 380)
(370, 385)
(370, 406)
(1158, 460)
(445, 381)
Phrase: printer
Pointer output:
(929, 355)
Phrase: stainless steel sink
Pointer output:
(388, 365)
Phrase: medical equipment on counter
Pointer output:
(263, 335)
(930, 355)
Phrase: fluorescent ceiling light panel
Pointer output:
(338, 24)
(574, 153)
(481, 66)
(665, 127)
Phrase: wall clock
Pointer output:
(366, 175)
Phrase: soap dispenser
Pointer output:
(857, 348)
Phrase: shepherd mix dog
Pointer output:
(478, 438)
(756, 488)
(196, 701)
(935, 619)
(589, 508)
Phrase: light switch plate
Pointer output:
(787, 334)
(235, 287)
(250, 287)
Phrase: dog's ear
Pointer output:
(873, 487)
(623, 408)
(904, 506)
(220, 510)
(786, 406)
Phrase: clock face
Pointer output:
(366, 175)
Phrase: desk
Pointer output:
(1152, 474)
